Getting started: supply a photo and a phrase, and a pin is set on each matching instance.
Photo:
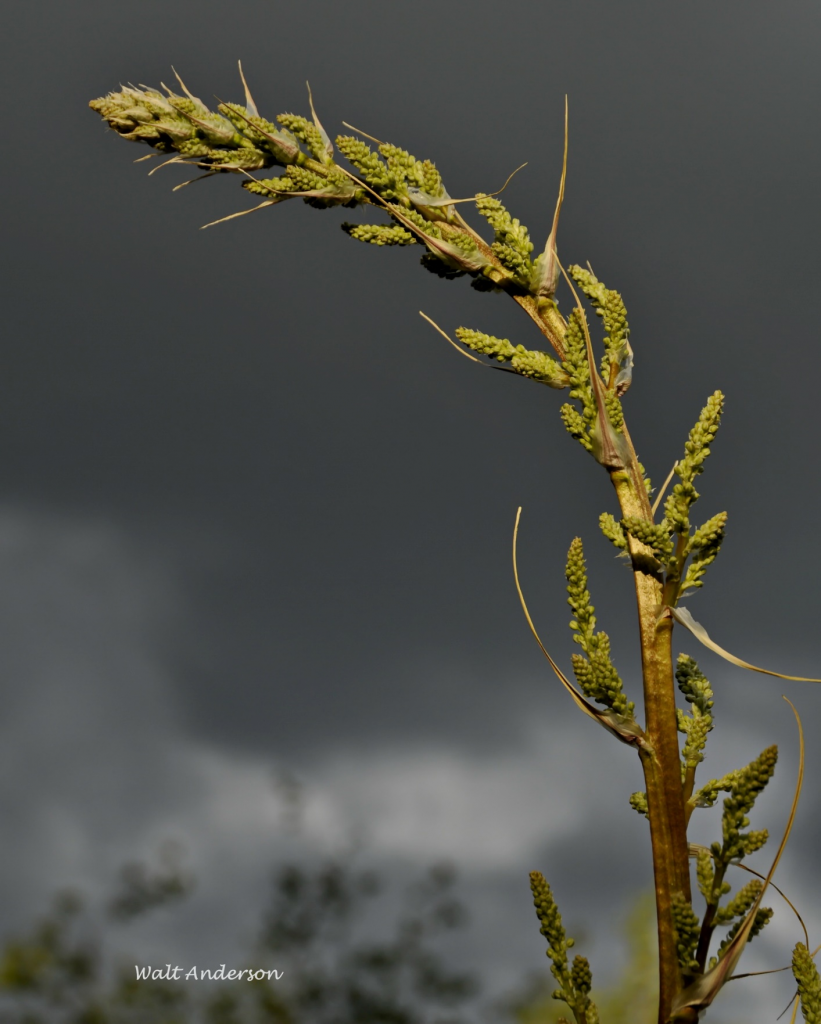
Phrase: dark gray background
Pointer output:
(256, 515)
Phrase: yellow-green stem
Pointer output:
(707, 926)
(661, 759)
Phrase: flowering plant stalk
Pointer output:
(668, 552)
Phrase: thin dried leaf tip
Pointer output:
(185, 89)
(249, 99)
(546, 268)
(683, 616)
(450, 341)
(329, 146)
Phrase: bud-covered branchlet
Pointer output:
(581, 978)
(599, 430)
(743, 786)
(185, 125)
(762, 918)
(705, 874)
(380, 234)
(740, 903)
(595, 673)
(585, 424)
(511, 244)
(708, 794)
(687, 931)
(581, 975)
(410, 191)
(550, 921)
(749, 782)
(537, 365)
(695, 727)
(578, 423)
(612, 531)
(237, 139)
(371, 168)
(809, 983)
(696, 450)
(705, 542)
(321, 189)
(617, 363)
(704, 546)
(309, 133)
(574, 983)
(417, 179)
(698, 693)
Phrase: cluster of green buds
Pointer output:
(673, 542)
(574, 981)
(594, 670)
(697, 724)
(410, 192)
(743, 786)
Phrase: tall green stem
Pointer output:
(661, 758)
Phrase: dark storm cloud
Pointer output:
(324, 488)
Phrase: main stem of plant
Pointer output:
(660, 758)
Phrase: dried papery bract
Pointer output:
(668, 554)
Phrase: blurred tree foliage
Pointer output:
(333, 972)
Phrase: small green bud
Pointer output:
(536, 365)
(380, 234)
(576, 426)
(581, 976)
(638, 801)
(696, 450)
(612, 530)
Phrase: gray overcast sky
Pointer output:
(255, 512)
